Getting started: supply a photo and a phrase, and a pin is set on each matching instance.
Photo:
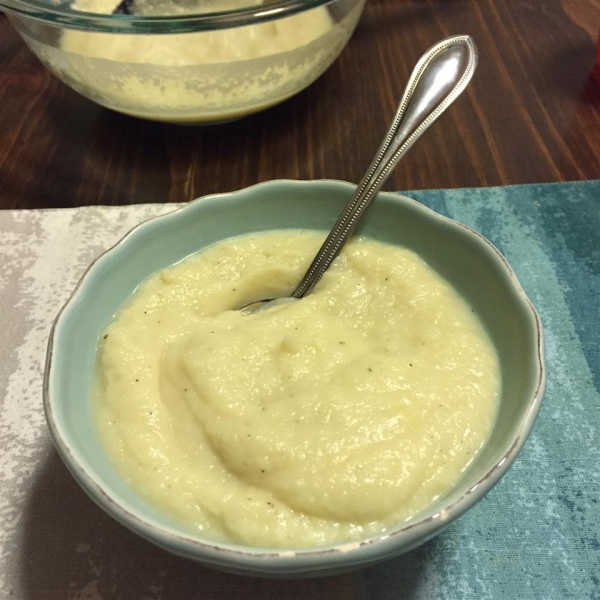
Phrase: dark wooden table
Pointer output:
(532, 114)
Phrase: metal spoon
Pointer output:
(439, 77)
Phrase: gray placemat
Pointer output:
(536, 535)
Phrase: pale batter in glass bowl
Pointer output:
(205, 61)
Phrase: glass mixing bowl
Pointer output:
(194, 64)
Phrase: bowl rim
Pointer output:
(62, 15)
(248, 558)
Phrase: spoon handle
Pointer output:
(439, 77)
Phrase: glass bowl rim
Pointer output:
(64, 16)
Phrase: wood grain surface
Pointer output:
(532, 114)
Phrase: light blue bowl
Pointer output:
(459, 254)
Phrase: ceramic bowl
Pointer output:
(465, 258)
(232, 58)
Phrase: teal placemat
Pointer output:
(535, 536)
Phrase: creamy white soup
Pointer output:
(314, 422)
